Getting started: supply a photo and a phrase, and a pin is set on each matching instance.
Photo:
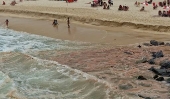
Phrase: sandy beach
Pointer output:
(116, 32)
(82, 12)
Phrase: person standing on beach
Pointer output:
(168, 2)
(7, 22)
(68, 22)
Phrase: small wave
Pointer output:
(36, 78)
(11, 40)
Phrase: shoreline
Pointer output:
(92, 21)
(82, 32)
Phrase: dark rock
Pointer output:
(141, 96)
(147, 98)
(165, 64)
(139, 46)
(151, 61)
(154, 70)
(162, 72)
(167, 44)
(156, 76)
(154, 42)
(168, 80)
(157, 54)
(141, 78)
(160, 79)
(143, 60)
(147, 44)
(161, 43)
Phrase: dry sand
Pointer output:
(80, 11)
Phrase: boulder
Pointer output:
(165, 64)
(157, 54)
(156, 76)
(167, 44)
(141, 78)
(160, 79)
(151, 61)
(154, 42)
(162, 72)
(168, 80)
(161, 43)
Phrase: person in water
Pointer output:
(68, 22)
(7, 22)
(55, 22)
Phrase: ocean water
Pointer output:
(25, 76)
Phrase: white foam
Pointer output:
(11, 40)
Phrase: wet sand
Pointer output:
(83, 32)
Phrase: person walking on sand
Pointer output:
(68, 22)
(7, 22)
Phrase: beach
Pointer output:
(100, 51)
(82, 12)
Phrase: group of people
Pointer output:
(164, 13)
(12, 2)
(164, 3)
(101, 3)
(55, 22)
(123, 8)
(106, 6)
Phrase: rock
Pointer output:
(154, 70)
(141, 78)
(156, 76)
(151, 61)
(143, 60)
(160, 79)
(162, 72)
(168, 80)
(147, 44)
(167, 44)
(161, 43)
(165, 64)
(139, 46)
(141, 96)
(125, 86)
(157, 54)
(154, 42)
